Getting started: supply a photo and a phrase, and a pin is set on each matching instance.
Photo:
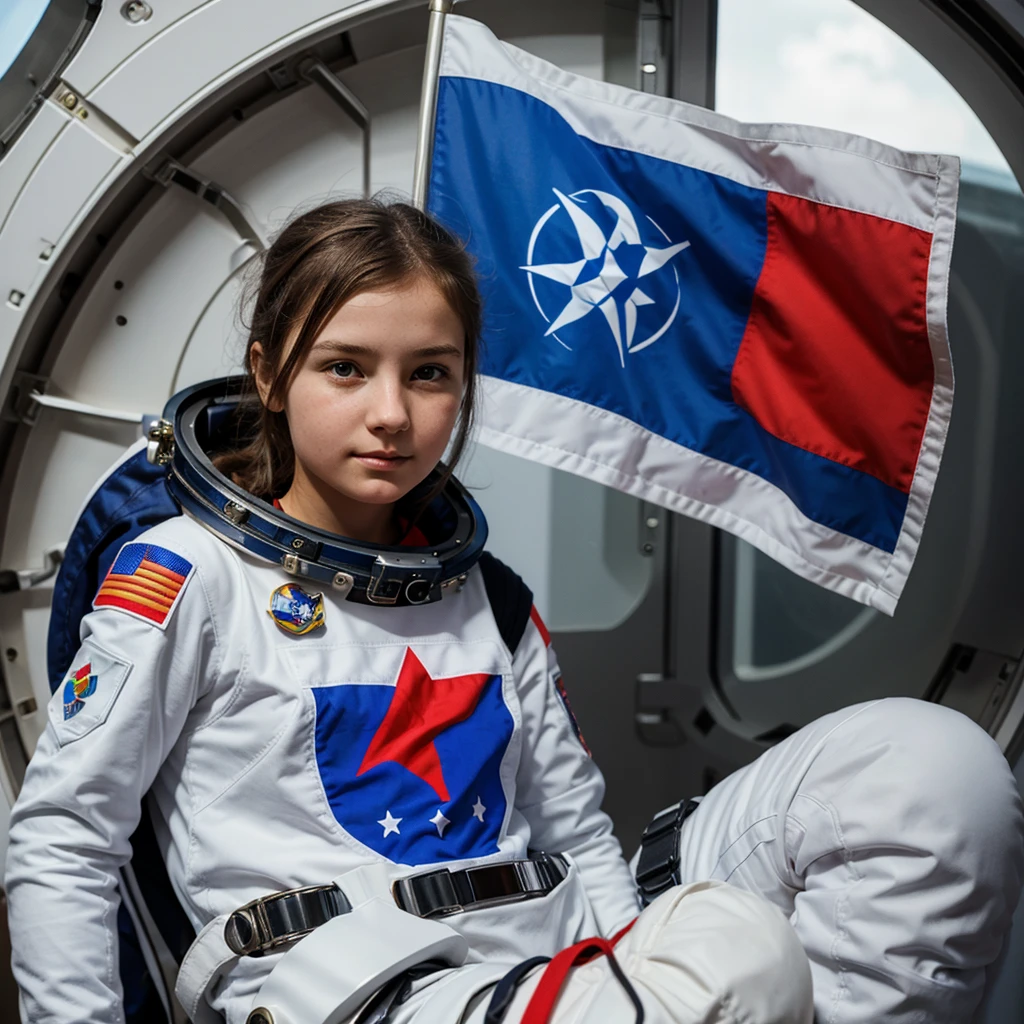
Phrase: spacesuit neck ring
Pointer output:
(203, 420)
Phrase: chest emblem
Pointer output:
(294, 610)
(81, 685)
(413, 770)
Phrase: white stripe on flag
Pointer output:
(566, 434)
(861, 174)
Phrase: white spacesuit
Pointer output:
(430, 779)
(408, 738)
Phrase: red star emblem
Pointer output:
(421, 709)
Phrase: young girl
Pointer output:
(406, 747)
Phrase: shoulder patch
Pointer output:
(146, 581)
(564, 698)
(84, 699)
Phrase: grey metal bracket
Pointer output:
(170, 172)
(669, 712)
(656, 710)
(313, 70)
(20, 406)
(316, 72)
(28, 395)
(12, 580)
(984, 685)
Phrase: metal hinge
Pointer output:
(160, 449)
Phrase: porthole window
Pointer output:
(830, 63)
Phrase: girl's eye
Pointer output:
(344, 370)
(430, 373)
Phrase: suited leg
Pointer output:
(699, 954)
(891, 834)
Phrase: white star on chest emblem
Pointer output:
(390, 824)
(478, 809)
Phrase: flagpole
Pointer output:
(439, 10)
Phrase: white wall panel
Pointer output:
(219, 40)
(115, 39)
(169, 266)
(64, 182)
(18, 164)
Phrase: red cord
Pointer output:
(542, 1002)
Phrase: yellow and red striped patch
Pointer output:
(146, 580)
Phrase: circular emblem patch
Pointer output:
(294, 610)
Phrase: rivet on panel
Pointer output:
(70, 100)
(16, 298)
(136, 12)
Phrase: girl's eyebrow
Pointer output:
(346, 348)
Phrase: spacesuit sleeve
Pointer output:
(110, 726)
(560, 788)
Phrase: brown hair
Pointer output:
(319, 261)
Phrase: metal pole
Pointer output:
(439, 10)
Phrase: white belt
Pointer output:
(210, 957)
(279, 919)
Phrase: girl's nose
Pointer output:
(388, 411)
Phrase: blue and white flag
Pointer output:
(742, 323)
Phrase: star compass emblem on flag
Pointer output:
(616, 272)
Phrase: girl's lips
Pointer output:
(382, 461)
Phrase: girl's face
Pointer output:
(371, 407)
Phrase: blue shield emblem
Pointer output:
(413, 770)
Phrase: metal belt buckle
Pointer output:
(443, 892)
(268, 922)
(658, 867)
(428, 895)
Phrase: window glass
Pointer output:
(584, 550)
(18, 20)
(830, 63)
